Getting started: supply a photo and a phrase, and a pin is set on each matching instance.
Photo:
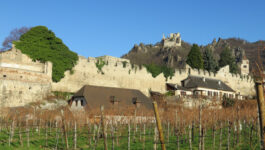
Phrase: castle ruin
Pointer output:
(174, 40)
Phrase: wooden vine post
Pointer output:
(200, 127)
(64, 130)
(103, 127)
(260, 98)
(159, 127)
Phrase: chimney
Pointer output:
(219, 82)
(203, 79)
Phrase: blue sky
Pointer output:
(112, 27)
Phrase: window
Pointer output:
(182, 93)
(209, 93)
(215, 93)
(245, 66)
(225, 94)
(197, 93)
(4, 75)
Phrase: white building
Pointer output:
(201, 86)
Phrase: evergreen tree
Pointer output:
(209, 62)
(194, 58)
(233, 68)
(227, 58)
(41, 44)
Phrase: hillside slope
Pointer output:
(175, 57)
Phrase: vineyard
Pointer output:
(201, 128)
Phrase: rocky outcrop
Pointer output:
(175, 56)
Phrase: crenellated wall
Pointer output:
(114, 74)
(23, 81)
(120, 73)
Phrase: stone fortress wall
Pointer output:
(118, 72)
(22, 80)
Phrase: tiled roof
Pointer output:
(99, 95)
(177, 87)
(195, 81)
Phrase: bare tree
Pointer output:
(14, 35)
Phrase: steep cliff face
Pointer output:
(175, 57)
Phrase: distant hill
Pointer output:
(175, 57)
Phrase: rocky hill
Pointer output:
(175, 56)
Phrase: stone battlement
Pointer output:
(117, 73)
(23, 80)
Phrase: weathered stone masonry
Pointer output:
(116, 73)
(23, 81)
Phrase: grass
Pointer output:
(85, 136)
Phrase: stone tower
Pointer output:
(244, 66)
(174, 40)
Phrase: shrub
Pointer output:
(170, 93)
(100, 64)
(62, 95)
(124, 63)
(41, 44)
(132, 66)
(72, 72)
(227, 102)
(155, 70)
